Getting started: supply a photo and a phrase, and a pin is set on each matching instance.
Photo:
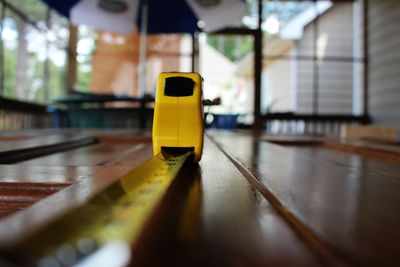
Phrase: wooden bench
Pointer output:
(255, 200)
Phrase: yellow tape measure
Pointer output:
(178, 114)
(118, 213)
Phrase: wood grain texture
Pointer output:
(81, 171)
(336, 208)
(222, 221)
(25, 142)
(21, 150)
(19, 196)
(93, 155)
(217, 219)
(349, 207)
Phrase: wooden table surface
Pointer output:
(254, 200)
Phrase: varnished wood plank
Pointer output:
(368, 156)
(86, 181)
(99, 154)
(229, 222)
(16, 151)
(18, 196)
(45, 175)
(351, 160)
(106, 152)
(348, 202)
(390, 153)
(21, 141)
(354, 211)
(239, 224)
(224, 222)
(381, 150)
(29, 182)
(21, 187)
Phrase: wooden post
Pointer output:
(2, 15)
(46, 69)
(366, 59)
(196, 51)
(257, 125)
(72, 63)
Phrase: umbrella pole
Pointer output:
(143, 50)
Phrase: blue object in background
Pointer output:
(225, 121)
(165, 16)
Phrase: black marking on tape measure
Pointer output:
(119, 212)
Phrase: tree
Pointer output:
(232, 47)
(21, 26)
(236, 47)
(27, 73)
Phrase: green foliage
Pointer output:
(10, 62)
(35, 68)
(236, 47)
(283, 9)
(34, 9)
(84, 79)
(35, 74)
(232, 47)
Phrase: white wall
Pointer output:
(384, 62)
(335, 79)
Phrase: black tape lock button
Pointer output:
(178, 86)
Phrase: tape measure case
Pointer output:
(178, 124)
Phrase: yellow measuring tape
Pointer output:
(118, 213)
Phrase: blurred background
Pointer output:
(301, 67)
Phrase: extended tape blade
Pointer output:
(118, 213)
